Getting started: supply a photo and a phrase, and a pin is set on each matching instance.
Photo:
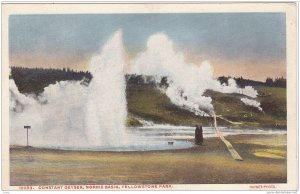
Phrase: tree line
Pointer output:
(34, 80)
(277, 82)
(242, 82)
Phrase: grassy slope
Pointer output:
(149, 103)
(273, 102)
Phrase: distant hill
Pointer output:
(145, 101)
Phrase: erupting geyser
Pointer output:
(106, 108)
(93, 116)
(70, 115)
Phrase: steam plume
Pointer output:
(187, 82)
(70, 115)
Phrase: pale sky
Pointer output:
(252, 45)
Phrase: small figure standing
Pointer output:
(198, 135)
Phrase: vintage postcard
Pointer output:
(149, 96)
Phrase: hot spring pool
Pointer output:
(166, 137)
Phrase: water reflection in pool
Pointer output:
(165, 137)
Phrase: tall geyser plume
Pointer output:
(71, 115)
(106, 107)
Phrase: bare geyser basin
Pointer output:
(69, 115)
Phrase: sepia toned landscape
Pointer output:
(105, 99)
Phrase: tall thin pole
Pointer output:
(27, 127)
(27, 136)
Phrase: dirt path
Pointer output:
(231, 122)
(232, 151)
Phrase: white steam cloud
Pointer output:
(251, 102)
(187, 82)
(232, 87)
(106, 108)
(69, 114)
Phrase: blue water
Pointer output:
(166, 137)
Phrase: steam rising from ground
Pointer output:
(71, 115)
(251, 102)
(187, 82)
(55, 116)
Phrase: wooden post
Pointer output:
(27, 127)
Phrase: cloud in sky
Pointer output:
(246, 40)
